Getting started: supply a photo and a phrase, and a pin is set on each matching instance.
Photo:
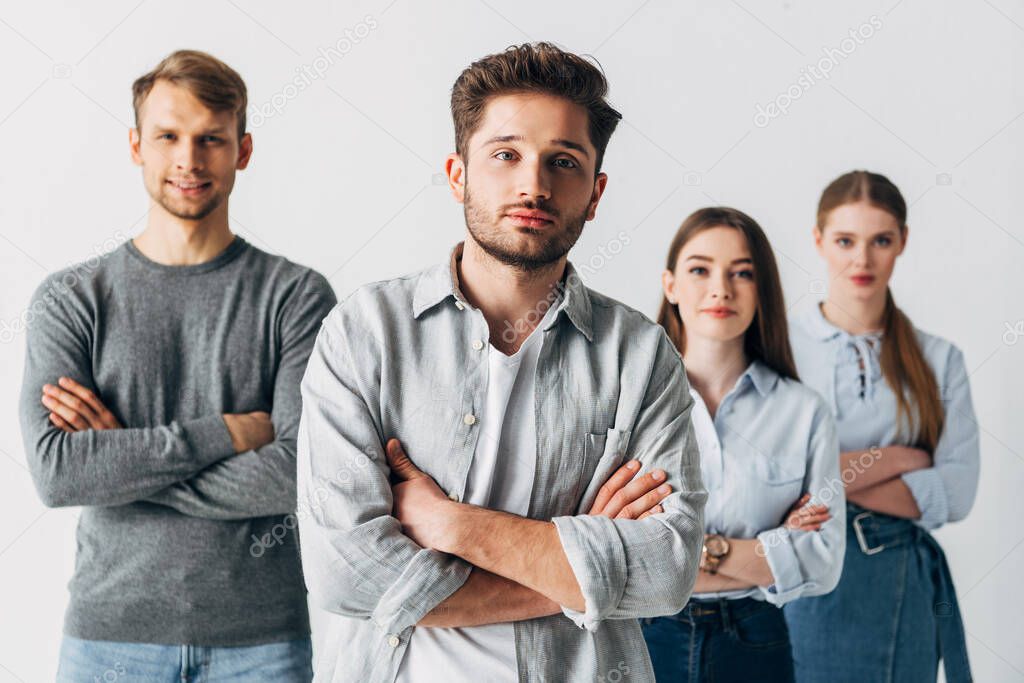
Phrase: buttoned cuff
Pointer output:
(598, 559)
(783, 563)
(427, 581)
(929, 493)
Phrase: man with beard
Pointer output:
(161, 393)
(458, 424)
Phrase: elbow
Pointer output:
(54, 489)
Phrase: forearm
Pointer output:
(746, 563)
(255, 483)
(487, 598)
(718, 583)
(525, 551)
(119, 466)
(863, 469)
(892, 497)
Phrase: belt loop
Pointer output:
(723, 608)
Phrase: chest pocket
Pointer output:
(778, 482)
(603, 454)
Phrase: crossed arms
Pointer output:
(361, 560)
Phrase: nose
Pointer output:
(721, 287)
(532, 182)
(188, 157)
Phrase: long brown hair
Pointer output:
(903, 363)
(767, 338)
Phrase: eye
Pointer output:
(699, 270)
(165, 136)
(844, 242)
(745, 274)
(883, 241)
(213, 139)
(504, 156)
(563, 162)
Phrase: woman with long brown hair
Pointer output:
(765, 441)
(909, 459)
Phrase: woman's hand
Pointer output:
(804, 517)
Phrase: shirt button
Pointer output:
(469, 419)
(477, 345)
(393, 640)
(453, 497)
(459, 305)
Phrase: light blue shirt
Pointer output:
(830, 360)
(771, 440)
(408, 358)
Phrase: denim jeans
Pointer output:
(893, 615)
(738, 640)
(100, 661)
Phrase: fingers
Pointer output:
(810, 517)
(401, 466)
(638, 508)
(622, 476)
(70, 408)
(653, 511)
(83, 401)
(634, 491)
(59, 423)
(106, 418)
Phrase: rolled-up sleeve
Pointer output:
(355, 559)
(807, 563)
(945, 491)
(645, 568)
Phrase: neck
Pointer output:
(855, 316)
(174, 241)
(713, 366)
(512, 301)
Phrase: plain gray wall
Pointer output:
(343, 179)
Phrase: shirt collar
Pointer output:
(762, 377)
(815, 323)
(438, 283)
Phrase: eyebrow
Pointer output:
(557, 141)
(698, 257)
(846, 233)
(219, 130)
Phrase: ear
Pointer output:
(668, 285)
(244, 152)
(599, 184)
(906, 236)
(134, 145)
(455, 169)
(819, 240)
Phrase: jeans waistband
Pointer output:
(875, 531)
(720, 609)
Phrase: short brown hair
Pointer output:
(210, 80)
(533, 67)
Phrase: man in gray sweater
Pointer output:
(161, 393)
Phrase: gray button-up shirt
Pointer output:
(398, 359)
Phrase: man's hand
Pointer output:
(623, 497)
(249, 431)
(73, 408)
(419, 503)
(804, 517)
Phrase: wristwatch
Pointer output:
(715, 548)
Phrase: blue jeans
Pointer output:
(100, 661)
(738, 640)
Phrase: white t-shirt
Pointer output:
(500, 478)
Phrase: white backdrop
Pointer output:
(723, 103)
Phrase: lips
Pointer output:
(862, 280)
(190, 188)
(531, 218)
(719, 312)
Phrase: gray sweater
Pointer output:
(180, 541)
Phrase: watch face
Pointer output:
(716, 545)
